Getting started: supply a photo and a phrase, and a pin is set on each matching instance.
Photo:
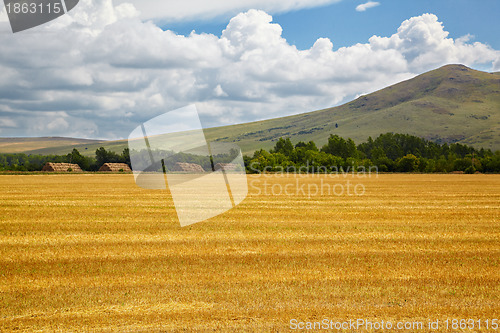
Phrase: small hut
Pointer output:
(61, 167)
(188, 168)
(227, 167)
(115, 167)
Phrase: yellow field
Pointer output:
(96, 253)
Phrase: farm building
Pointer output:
(188, 167)
(115, 167)
(61, 167)
(227, 166)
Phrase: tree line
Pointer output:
(388, 153)
(24, 162)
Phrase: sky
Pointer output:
(108, 66)
(345, 26)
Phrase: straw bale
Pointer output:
(188, 167)
(61, 167)
(115, 167)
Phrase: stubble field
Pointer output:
(91, 252)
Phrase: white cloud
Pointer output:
(423, 42)
(370, 4)
(102, 71)
(219, 92)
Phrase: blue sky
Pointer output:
(110, 65)
(345, 26)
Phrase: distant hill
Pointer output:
(450, 104)
(21, 145)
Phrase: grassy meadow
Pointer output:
(94, 252)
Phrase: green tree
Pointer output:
(126, 156)
(340, 147)
(408, 163)
(283, 146)
(77, 158)
(104, 156)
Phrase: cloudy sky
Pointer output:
(108, 66)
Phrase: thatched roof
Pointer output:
(61, 167)
(188, 167)
(227, 166)
(115, 167)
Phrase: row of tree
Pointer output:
(23, 162)
(389, 153)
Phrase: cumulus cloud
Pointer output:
(370, 4)
(424, 44)
(101, 71)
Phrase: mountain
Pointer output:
(450, 104)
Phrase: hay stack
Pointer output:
(227, 166)
(115, 167)
(61, 167)
(188, 167)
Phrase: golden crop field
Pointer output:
(94, 252)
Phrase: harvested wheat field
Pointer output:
(85, 252)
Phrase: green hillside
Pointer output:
(450, 104)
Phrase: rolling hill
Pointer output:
(450, 104)
(22, 145)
